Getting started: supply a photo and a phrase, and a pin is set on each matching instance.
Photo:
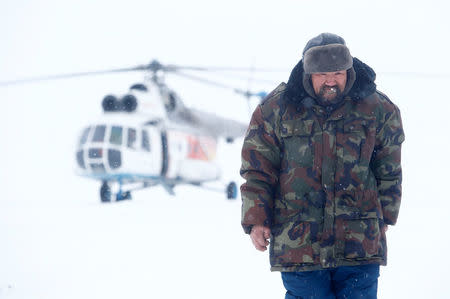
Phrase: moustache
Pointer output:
(330, 89)
(330, 92)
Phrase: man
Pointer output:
(321, 160)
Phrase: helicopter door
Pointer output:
(151, 144)
(144, 151)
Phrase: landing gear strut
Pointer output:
(123, 195)
(105, 192)
(231, 190)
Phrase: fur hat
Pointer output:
(326, 52)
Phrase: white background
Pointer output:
(58, 241)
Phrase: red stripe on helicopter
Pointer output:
(201, 148)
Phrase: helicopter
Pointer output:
(147, 136)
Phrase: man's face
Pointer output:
(330, 85)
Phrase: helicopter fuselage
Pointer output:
(123, 149)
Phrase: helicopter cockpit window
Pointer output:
(131, 138)
(84, 136)
(145, 141)
(99, 134)
(116, 135)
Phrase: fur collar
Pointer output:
(364, 83)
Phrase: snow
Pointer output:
(58, 241)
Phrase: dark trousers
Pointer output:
(342, 282)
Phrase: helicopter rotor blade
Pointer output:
(70, 75)
(246, 78)
(154, 66)
(203, 80)
(245, 93)
(225, 69)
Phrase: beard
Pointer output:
(330, 93)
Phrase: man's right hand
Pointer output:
(260, 236)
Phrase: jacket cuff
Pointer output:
(247, 228)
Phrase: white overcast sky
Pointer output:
(49, 36)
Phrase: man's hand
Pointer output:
(260, 236)
(385, 228)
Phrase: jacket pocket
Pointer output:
(293, 244)
(358, 204)
(358, 226)
(297, 136)
(296, 229)
(362, 239)
(351, 140)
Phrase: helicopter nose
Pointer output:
(80, 159)
(94, 159)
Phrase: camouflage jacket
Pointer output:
(325, 182)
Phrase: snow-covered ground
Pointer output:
(58, 241)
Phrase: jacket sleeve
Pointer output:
(386, 163)
(260, 169)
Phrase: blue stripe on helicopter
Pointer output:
(120, 177)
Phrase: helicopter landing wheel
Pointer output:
(229, 139)
(123, 196)
(105, 192)
(231, 190)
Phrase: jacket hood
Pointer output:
(363, 86)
